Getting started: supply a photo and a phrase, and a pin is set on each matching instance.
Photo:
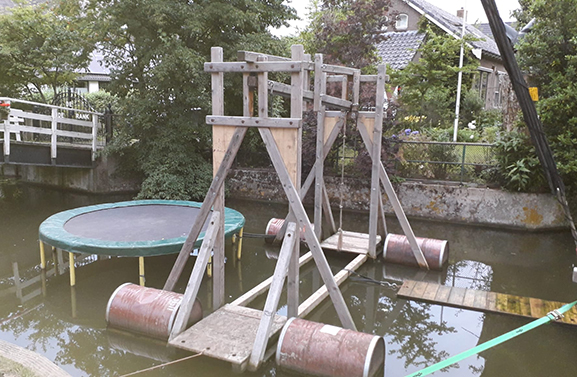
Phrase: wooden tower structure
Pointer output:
(234, 332)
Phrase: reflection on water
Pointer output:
(40, 311)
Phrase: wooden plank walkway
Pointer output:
(483, 301)
(227, 334)
(353, 242)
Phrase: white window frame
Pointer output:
(402, 22)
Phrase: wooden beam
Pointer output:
(195, 279)
(221, 138)
(294, 146)
(215, 186)
(257, 67)
(303, 221)
(376, 162)
(251, 57)
(273, 298)
(320, 89)
(236, 121)
(316, 298)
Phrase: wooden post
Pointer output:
(320, 89)
(273, 297)
(196, 276)
(53, 135)
(293, 161)
(6, 140)
(60, 260)
(95, 125)
(221, 137)
(17, 282)
(376, 161)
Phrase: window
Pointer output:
(402, 22)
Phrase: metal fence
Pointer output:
(445, 161)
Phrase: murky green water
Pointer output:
(67, 324)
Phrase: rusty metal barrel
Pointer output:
(398, 250)
(147, 311)
(275, 225)
(324, 350)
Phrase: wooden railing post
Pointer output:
(95, 125)
(6, 141)
(53, 135)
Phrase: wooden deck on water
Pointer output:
(227, 334)
(483, 301)
(353, 242)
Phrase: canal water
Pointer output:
(67, 324)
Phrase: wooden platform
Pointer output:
(483, 301)
(353, 242)
(227, 334)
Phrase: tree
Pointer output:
(549, 55)
(429, 86)
(42, 47)
(347, 32)
(156, 50)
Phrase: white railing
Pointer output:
(64, 126)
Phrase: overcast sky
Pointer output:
(474, 9)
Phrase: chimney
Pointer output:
(461, 13)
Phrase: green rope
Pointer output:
(493, 342)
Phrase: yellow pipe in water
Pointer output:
(141, 277)
(72, 269)
(239, 249)
(42, 256)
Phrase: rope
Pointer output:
(554, 315)
(162, 365)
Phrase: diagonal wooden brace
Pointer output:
(303, 221)
(195, 279)
(395, 203)
(311, 177)
(211, 196)
(272, 299)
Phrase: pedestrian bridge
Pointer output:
(39, 134)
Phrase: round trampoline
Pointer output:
(139, 228)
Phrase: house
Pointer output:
(401, 46)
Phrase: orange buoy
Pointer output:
(147, 311)
(329, 351)
(398, 250)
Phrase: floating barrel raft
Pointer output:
(138, 228)
(398, 250)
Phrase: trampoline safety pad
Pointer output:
(138, 228)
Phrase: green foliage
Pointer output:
(42, 46)
(472, 106)
(549, 54)
(156, 51)
(100, 101)
(428, 87)
(347, 32)
(518, 166)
